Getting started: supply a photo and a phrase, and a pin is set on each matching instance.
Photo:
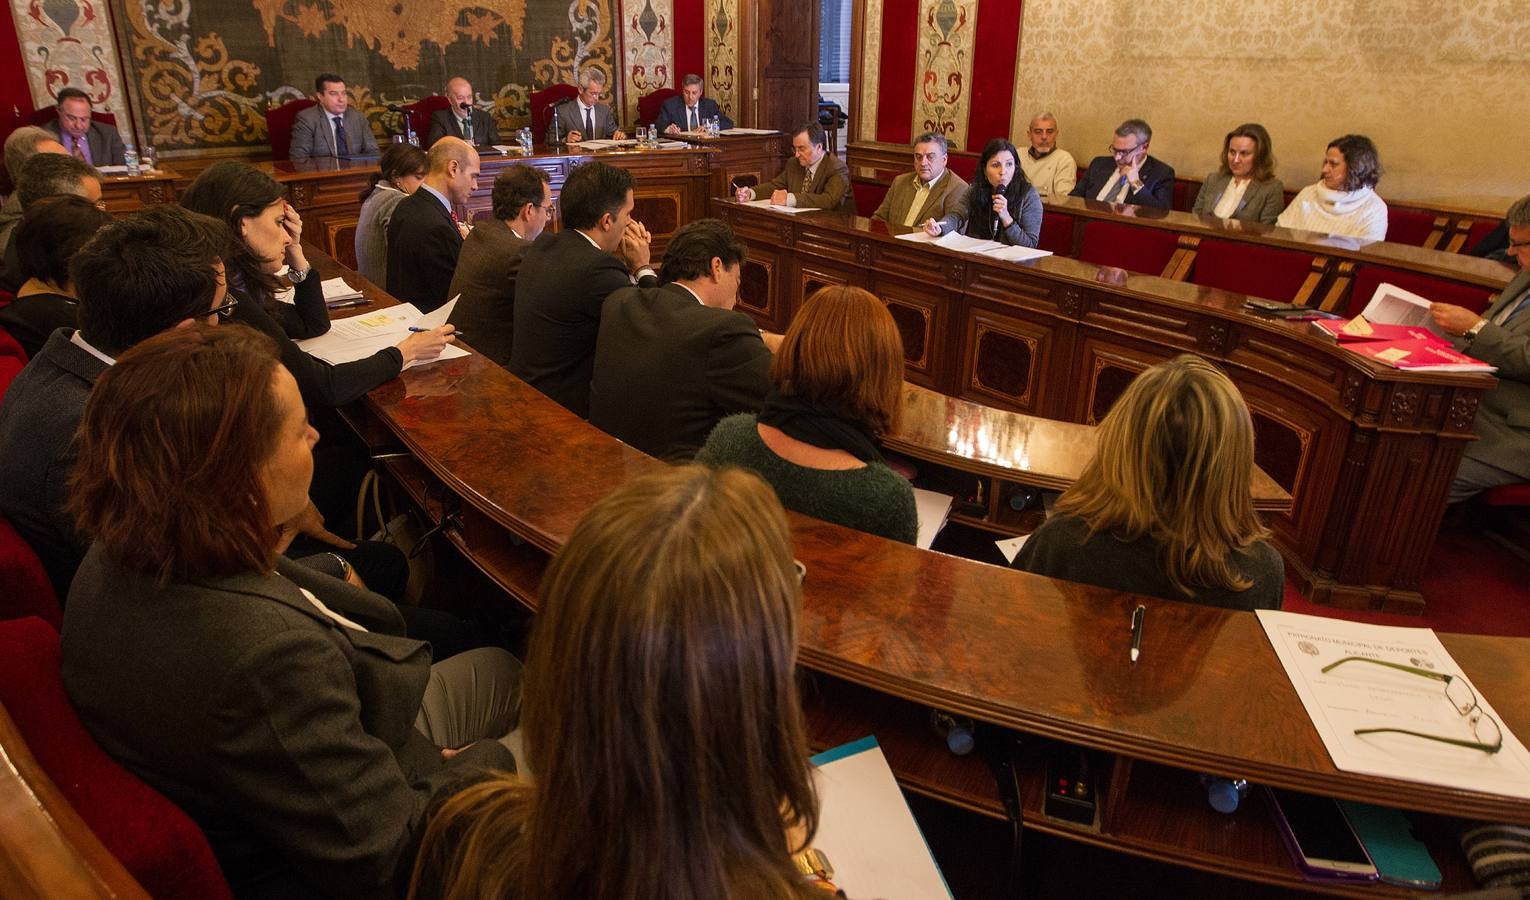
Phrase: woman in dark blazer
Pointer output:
(1245, 187)
(281, 708)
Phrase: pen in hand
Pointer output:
(416, 328)
(1137, 616)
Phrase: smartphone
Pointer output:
(1320, 838)
(1400, 858)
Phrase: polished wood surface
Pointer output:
(123, 193)
(1060, 338)
(46, 850)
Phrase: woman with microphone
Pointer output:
(1001, 205)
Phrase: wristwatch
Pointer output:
(345, 566)
(1472, 332)
(298, 276)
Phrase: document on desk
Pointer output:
(734, 132)
(1422, 718)
(361, 336)
(933, 510)
(779, 207)
(866, 830)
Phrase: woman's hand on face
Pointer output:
(426, 344)
(293, 223)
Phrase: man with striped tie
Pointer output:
(1500, 336)
(331, 128)
(1128, 174)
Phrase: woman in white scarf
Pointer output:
(1344, 201)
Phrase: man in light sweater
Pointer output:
(1052, 172)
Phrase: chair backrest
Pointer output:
(1143, 250)
(28, 591)
(154, 840)
(1367, 277)
(12, 358)
(279, 125)
(1056, 233)
(1414, 226)
(965, 166)
(1479, 229)
(1185, 193)
(50, 113)
(420, 112)
(1268, 272)
(648, 104)
(542, 100)
(868, 196)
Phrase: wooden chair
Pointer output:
(542, 102)
(1368, 277)
(649, 104)
(868, 196)
(341, 235)
(1268, 272)
(1148, 251)
(1057, 234)
(279, 126)
(1415, 226)
(419, 114)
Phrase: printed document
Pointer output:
(1391, 305)
(361, 336)
(1405, 690)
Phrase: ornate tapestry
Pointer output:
(722, 74)
(68, 43)
(946, 38)
(648, 58)
(203, 73)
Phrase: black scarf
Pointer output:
(825, 428)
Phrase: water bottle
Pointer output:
(130, 158)
(524, 136)
(1224, 794)
(955, 729)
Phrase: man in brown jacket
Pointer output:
(811, 179)
(928, 192)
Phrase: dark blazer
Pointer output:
(313, 135)
(423, 243)
(444, 122)
(667, 369)
(287, 737)
(106, 147)
(1157, 182)
(32, 319)
(570, 118)
(829, 189)
(38, 417)
(1502, 424)
(1262, 200)
(563, 283)
(672, 112)
(486, 276)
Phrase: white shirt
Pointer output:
(438, 195)
(333, 616)
(1231, 198)
(80, 342)
(1111, 193)
(594, 119)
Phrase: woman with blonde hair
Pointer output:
(837, 385)
(1165, 506)
(1245, 187)
(661, 724)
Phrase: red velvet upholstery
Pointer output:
(965, 166)
(541, 115)
(420, 112)
(50, 114)
(868, 196)
(155, 841)
(1056, 233)
(1144, 250)
(28, 592)
(1409, 226)
(1438, 290)
(1479, 229)
(1267, 272)
(279, 125)
(649, 104)
(1507, 495)
(12, 359)
(1185, 193)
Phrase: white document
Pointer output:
(918, 237)
(1017, 253)
(738, 131)
(1364, 694)
(337, 289)
(361, 336)
(1391, 305)
(866, 830)
(955, 241)
(112, 170)
(674, 145)
(1010, 547)
(766, 204)
(933, 510)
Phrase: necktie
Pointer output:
(693, 125)
(342, 146)
(1518, 308)
(589, 125)
(1119, 194)
(467, 129)
(78, 153)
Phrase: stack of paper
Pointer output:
(963, 244)
(778, 207)
(338, 294)
(361, 336)
(1396, 329)
(738, 131)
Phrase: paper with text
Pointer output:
(358, 337)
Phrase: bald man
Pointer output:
(425, 234)
(461, 118)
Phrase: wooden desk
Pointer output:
(889, 629)
(742, 157)
(124, 193)
(1366, 452)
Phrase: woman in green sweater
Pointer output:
(837, 384)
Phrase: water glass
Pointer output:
(146, 156)
(642, 135)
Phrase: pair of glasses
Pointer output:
(1127, 152)
(1488, 734)
(224, 311)
(1515, 245)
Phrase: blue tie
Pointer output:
(342, 146)
(1118, 192)
(1518, 308)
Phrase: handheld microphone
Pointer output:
(996, 192)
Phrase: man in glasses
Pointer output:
(97, 143)
(157, 269)
(1129, 174)
(586, 118)
(491, 259)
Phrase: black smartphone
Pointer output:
(1320, 838)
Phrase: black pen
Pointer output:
(1137, 616)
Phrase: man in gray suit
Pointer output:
(331, 128)
(1500, 337)
(585, 118)
(491, 257)
(931, 191)
(95, 142)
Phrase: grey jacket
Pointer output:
(1503, 419)
(485, 277)
(372, 232)
(1262, 200)
(313, 135)
(288, 738)
(570, 118)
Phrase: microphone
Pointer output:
(465, 106)
(996, 192)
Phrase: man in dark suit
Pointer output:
(331, 128)
(1129, 174)
(461, 119)
(425, 233)
(671, 361)
(491, 258)
(566, 277)
(1501, 337)
(97, 143)
(149, 271)
(688, 111)
(811, 179)
(585, 118)
(43, 175)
